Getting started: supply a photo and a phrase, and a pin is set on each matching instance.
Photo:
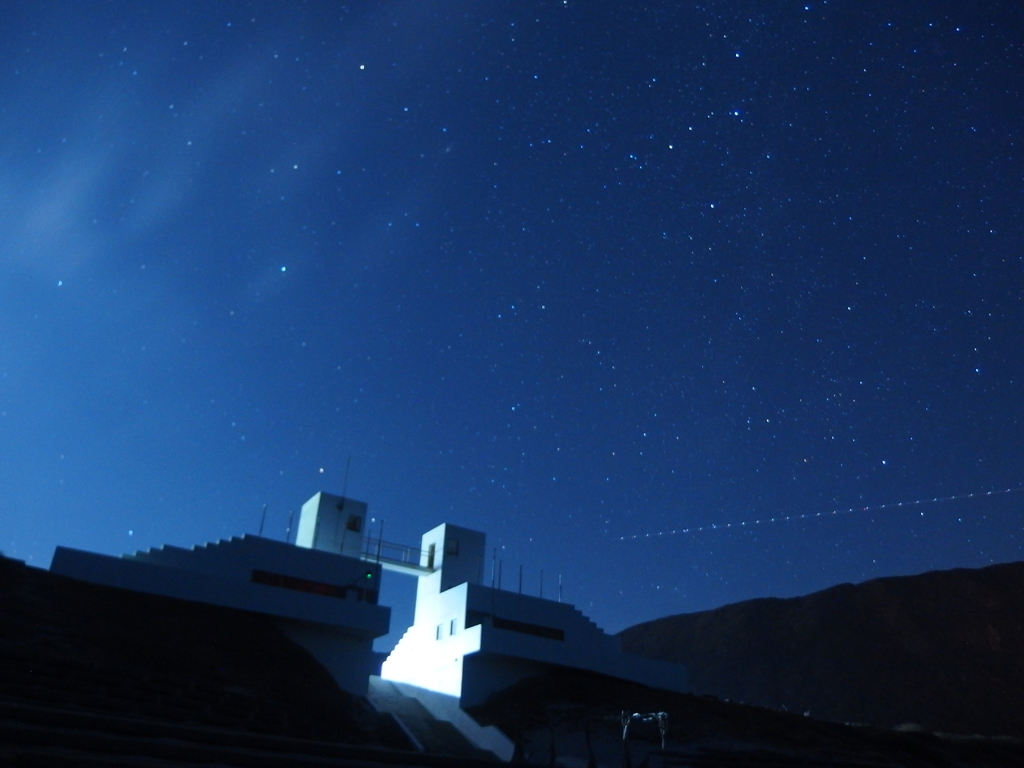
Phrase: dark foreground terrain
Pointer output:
(94, 676)
(943, 650)
(574, 717)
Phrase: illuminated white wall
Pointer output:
(332, 524)
(470, 641)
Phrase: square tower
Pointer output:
(332, 524)
(457, 552)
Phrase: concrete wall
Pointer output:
(345, 656)
(485, 674)
(521, 628)
(470, 641)
(325, 602)
(332, 524)
(457, 553)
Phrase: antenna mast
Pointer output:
(341, 504)
(344, 483)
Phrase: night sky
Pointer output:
(569, 273)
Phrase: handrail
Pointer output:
(391, 552)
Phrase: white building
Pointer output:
(469, 641)
(322, 594)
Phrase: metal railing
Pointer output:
(389, 552)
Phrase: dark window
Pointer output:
(296, 584)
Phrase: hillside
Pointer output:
(944, 650)
(96, 676)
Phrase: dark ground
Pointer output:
(96, 676)
(83, 645)
(564, 707)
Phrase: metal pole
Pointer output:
(625, 718)
(263, 519)
(344, 483)
(288, 530)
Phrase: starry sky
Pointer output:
(571, 273)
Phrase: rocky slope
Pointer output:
(944, 650)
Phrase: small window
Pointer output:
(437, 634)
(451, 547)
(451, 626)
(355, 523)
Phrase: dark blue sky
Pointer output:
(564, 272)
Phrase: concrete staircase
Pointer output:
(169, 555)
(428, 733)
(193, 558)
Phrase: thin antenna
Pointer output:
(341, 504)
(263, 519)
(288, 530)
(344, 484)
(520, 578)
(380, 539)
(494, 565)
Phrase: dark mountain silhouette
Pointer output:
(944, 650)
